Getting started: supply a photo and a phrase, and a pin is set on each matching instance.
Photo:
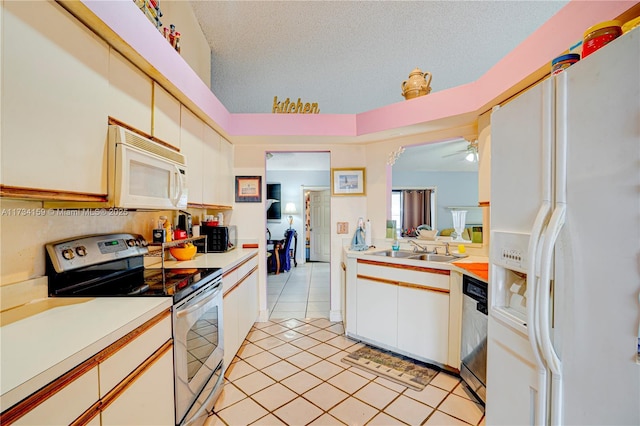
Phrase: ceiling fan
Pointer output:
(470, 153)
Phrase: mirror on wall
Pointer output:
(448, 173)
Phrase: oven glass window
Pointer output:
(202, 340)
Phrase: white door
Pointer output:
(320, 226)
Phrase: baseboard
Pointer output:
(263, 316)
(335, 316)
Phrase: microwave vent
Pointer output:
(150, 146)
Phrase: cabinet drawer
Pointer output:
(231, 277)
(67, 403)
(132, 353)
(247, 266)
(405, 274)
(147, 400)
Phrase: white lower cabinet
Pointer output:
(423, 323)
(148, 400)
(66, 405)
(130, 382)
(401, 307)
(240, 309)
(136, 382)
(377, 311)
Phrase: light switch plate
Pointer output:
(343, 227)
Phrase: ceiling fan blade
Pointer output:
(463, 151)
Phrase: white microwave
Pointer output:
(144, 174)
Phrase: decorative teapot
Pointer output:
(417, 84)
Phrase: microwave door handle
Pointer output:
(179, 181)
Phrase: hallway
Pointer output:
(303, 292)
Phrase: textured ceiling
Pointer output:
(352, 56)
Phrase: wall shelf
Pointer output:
(161, 248)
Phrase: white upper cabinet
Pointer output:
(225, 178)
(166, 116)
(484, 163)
(130, 93)
(211, 172)
(191, 142)
(55, 93)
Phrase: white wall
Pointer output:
(194, 47)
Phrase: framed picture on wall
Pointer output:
(274, 202)
(348, 181)
(248, 189)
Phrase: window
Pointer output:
(421, 204)
(396, 208)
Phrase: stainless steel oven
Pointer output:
(109, 265)
(198, 352)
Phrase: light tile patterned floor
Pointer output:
(302, 292)
(279, 378)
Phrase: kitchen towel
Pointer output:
(358, 240)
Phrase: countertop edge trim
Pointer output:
(405, 266)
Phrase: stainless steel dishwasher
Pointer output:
(474, 335)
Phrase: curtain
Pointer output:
(416, 208)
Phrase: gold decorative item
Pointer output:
(417, 84)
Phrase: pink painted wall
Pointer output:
(554, 37)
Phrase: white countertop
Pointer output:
(449, 266)
(46, 338)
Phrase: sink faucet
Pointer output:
(446, 247)
(418, 246)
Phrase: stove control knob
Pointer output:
(67, 254)
(143, 242)
(81, 251)
(131, 243)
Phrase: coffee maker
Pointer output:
(184, 222)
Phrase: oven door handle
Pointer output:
(189, 309)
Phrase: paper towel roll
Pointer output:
(367, 232)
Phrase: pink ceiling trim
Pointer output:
(551, 39)
(125, 19)
(295, 124)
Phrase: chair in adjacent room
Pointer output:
(280, 259)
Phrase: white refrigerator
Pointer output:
(565, 247)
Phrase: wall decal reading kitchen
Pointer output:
(289, 107)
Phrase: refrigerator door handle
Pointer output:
(544, 313)
(544, 290)
(532, 303)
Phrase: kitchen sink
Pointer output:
(433, 257)
(392, 253)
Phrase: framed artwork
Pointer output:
(274, 202)
(248, 189)
(349, 181)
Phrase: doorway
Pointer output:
(318, 224)
(303, 179)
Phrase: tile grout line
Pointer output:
(322, 381)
